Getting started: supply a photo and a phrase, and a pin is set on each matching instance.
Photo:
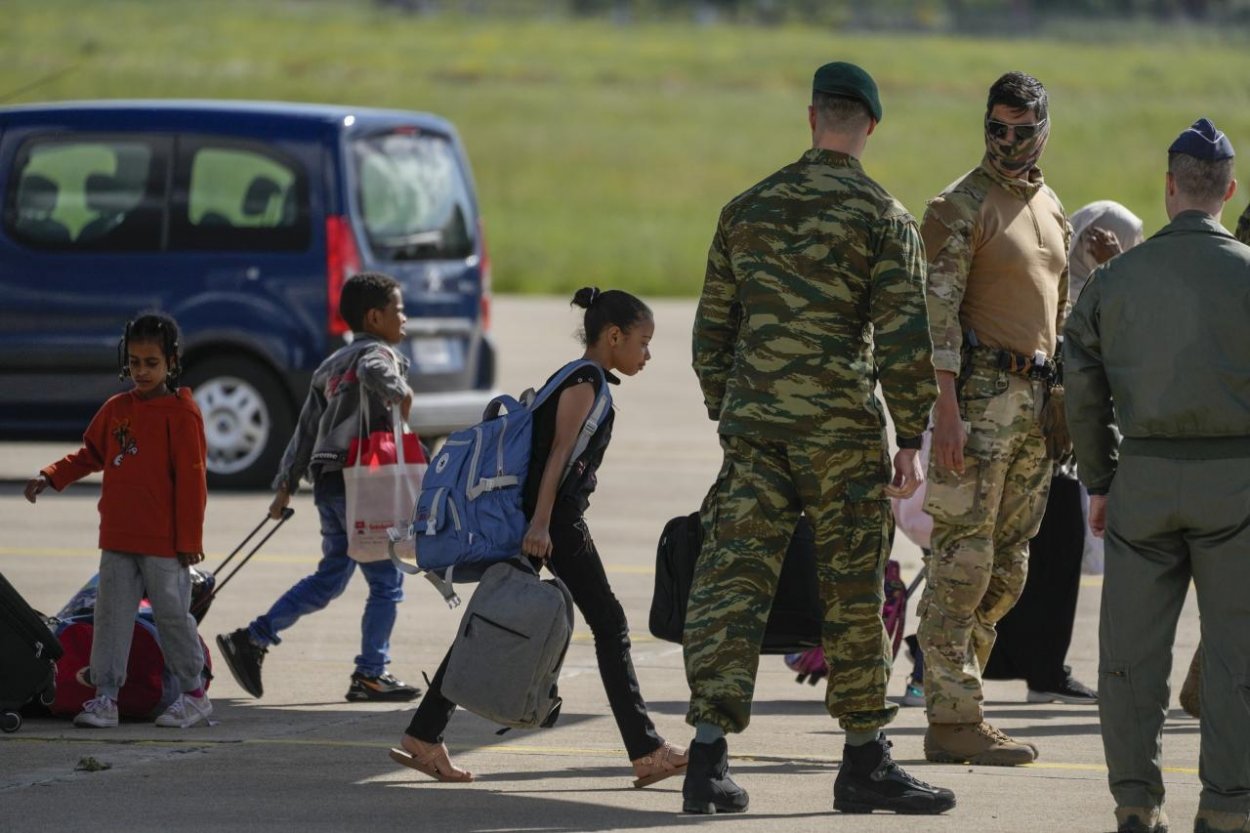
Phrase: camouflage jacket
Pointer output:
(1243, 227)
(815, 291)
(1161, 331)
(994, 268)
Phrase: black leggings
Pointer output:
(1033, 638)
(576, 561)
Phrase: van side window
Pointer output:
(232, 196)
(87, 194)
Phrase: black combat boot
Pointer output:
(868, 780)
(708, 787)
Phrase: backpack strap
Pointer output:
(603, 401)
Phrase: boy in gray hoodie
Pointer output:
(373, 306)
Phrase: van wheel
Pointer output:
(247, 421)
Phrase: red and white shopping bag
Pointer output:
(383, 476)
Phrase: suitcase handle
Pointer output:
(287, 512)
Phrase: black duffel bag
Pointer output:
(793, 624)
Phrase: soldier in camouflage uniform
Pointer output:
(814, 292)
(997, 242)
(1243, 227)
(1166, 468)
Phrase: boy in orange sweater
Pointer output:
(149, 442)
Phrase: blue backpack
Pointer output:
(470, 512)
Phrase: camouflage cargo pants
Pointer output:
(982, 522)
(748, 519)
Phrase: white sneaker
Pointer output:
(186, 712)
(97, 713)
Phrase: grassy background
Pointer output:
(602, 153)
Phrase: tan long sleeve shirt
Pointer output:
(998, 265)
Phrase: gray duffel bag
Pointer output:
(505, 662)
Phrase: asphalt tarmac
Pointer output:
(302, 758)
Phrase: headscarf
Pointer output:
(1106, 214)
(1014, 160)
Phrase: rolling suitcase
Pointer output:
(28, 654)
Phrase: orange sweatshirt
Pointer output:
(152, 454)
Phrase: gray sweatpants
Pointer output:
(123, 579)
(1168, 521)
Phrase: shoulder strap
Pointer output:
(603, 401)
(545, 392)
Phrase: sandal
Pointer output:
(433, 761)
(664, 762)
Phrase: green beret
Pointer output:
(841, 78)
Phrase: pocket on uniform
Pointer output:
(953, 497)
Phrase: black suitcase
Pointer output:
(793, 624)
(28, 655)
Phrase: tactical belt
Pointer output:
(1020, 365)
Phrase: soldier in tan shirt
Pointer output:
(997, 243)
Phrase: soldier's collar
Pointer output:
(836, 158)
(1023, 188)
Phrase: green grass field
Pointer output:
(603, 153)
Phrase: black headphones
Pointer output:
(169, 345)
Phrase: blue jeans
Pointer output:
(330, 580)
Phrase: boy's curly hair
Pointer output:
(363, 292)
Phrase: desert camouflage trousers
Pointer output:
(748, 519)
(982, 522)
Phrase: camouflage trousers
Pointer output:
(748, 519)
(982, 522)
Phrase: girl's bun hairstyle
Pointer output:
(605, 308)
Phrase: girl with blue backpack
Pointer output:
(618, 328)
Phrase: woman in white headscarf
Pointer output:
(1100, 231)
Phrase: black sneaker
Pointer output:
(243, 658)
(1072, 691)
(383, 687)
(708, 788)
(868, 780)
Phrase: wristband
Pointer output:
(915, 442)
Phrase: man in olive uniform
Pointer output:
(1161, 332)
(814, 291)
(997, 242)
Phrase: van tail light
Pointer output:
(342, 261)
(486, 278)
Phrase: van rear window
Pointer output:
(413, 196)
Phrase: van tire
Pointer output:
(248, 419)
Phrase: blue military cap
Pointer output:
(1203, 140)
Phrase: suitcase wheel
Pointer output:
(48, 696)
(10, 721)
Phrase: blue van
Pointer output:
(242, 220)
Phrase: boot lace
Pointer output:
(888, 766)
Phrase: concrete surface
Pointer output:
(303, 759)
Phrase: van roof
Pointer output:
(184, 112)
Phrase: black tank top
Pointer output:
(574, 494)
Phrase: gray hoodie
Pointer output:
(331, 419)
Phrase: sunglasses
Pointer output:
(1024, 132)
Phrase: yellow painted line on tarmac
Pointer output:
(78, 552)
(267, 558)
(518, 749)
